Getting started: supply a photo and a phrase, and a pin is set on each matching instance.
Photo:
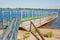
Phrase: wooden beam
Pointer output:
(37, 31)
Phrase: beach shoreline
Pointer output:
(56, 33)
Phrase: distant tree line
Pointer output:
(26, 9)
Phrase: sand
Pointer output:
(56, 33)
(1, 32)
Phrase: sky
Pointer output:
(55, 4)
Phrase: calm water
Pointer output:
(55, 24)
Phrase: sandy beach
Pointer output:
(56, 33)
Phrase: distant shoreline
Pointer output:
(27, 9)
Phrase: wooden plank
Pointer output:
(37, 31)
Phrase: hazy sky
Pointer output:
(29, 3)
